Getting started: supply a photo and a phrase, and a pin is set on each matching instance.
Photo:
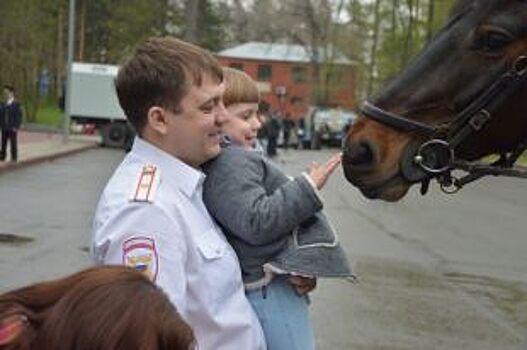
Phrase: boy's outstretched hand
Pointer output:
(320, 173)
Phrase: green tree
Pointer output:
(204, 24)
(398, 30)
(114, 27)
(26, 37)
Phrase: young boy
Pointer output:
(274, 224)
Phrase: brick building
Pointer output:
(284, 76)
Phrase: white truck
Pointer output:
(94, 101)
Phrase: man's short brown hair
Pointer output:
(160, 73)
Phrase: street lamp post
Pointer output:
(71, 43)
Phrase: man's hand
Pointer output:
(303, 285)
(320, 173)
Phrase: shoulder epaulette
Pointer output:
(146, 184)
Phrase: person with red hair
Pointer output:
(105, 307)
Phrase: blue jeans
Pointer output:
(283, 315)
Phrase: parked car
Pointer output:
(324, 126)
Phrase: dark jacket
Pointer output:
(10, 116)
(270, 219)
(272, 127)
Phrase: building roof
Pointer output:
(94, 68)
(276, 52)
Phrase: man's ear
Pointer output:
(157, 119)
(10, 328)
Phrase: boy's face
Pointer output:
(242, 123)
(193, 134)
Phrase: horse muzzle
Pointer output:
(358, 158)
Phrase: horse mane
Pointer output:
(462, 6)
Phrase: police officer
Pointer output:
(151, 215)
(10, 120)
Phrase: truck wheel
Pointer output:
(114, 135)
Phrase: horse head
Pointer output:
(466, 91)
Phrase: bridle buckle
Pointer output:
(519, 67)
(479, 120)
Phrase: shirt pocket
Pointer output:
(219, 266)
(210, 248)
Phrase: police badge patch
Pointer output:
(140, 253)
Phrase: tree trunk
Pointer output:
(59, 68)
(375, 42)
(192, 19)
(430, 20)
(407, 47)
(395, 6)
(329, 59)
(82, 30)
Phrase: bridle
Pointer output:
(436, 157)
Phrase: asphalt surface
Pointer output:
(434, 272)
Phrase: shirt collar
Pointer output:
(173, 170)
(10, 101)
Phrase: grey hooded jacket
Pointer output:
(270, 219)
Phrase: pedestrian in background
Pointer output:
(287, 126)
(10, 120)
(272, 132)
(109, 307)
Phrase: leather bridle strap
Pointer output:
(395, 121)
(473, 117)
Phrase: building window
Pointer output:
(236, 65)
(297, 101)
(299, 74)
(265, 72)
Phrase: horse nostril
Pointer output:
(359, 154)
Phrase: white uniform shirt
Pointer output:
(154, 219)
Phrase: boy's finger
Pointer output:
(336, 158)
(333, 164)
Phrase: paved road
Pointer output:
(53, 203)
(435, 272)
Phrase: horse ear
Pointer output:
(11, 327)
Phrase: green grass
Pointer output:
(49, 115)
(521, 161)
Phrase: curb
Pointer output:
(9, 166)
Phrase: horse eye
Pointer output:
(493, 41)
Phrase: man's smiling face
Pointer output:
(193, 133)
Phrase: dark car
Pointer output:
(325, 126)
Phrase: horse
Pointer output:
(462, 98)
